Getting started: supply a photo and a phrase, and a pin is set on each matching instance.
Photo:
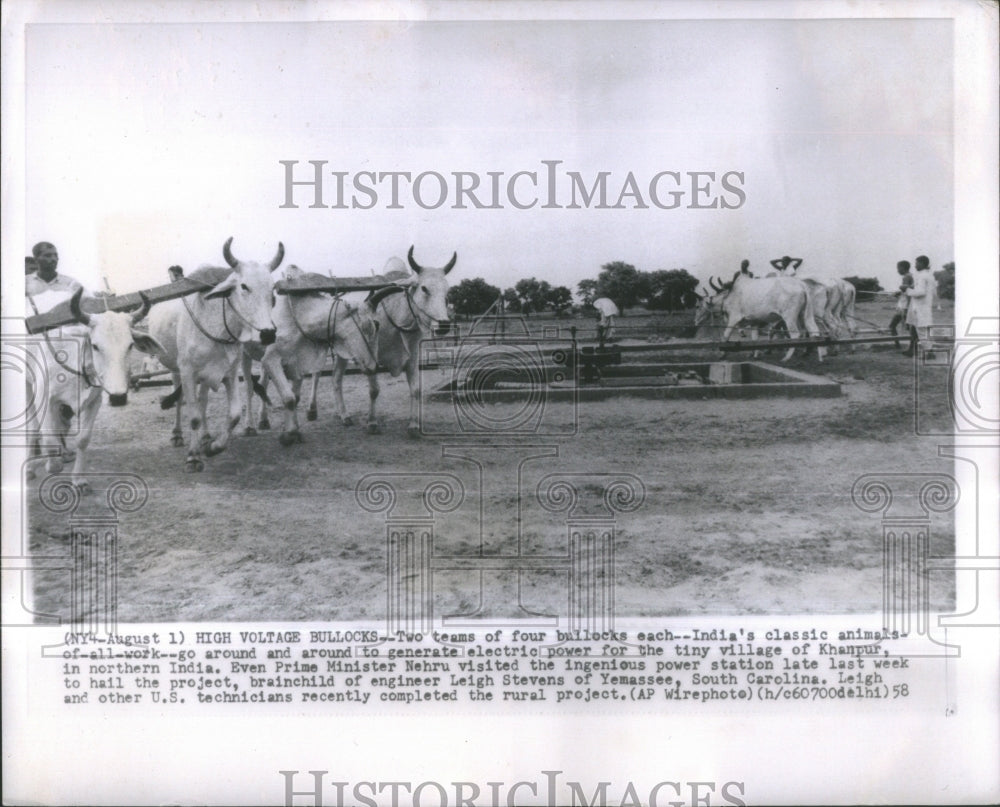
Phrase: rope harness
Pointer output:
(225, 323)
(331, 327)
(413, 307)
(82, 373)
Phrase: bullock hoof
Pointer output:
(264, 425)
(373, 428)
(413, 431)
(193, 465)
(68, 455)
(289, 438)
(54, 465)
(312, 414)
(177, 440)
(83, 488)
(211, 449)
(347, 421)
(250, 431)
(206, 439)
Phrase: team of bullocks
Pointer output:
(232, 317)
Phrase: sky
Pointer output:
(150, 145)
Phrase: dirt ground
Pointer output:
(747, 503)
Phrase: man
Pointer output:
(46, 278)
(903, 302)
(919, 315)
(782, 263)
(176, 273)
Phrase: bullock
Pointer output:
(309, 326)
(202, 337)
(838, 314)
(102, 365)
(846, 311)
(747, 298)
(417, 310)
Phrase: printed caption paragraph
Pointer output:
(537, 669)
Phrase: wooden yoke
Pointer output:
(61, 315)
(311, 282)
(201, 280)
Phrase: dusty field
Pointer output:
(747, 503)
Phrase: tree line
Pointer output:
(659, 290)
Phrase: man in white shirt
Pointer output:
(919, 316)
(47, 278)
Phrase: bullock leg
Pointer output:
(726, 334)
(413, 380)
(808, 320)
(312, 412)
(247, 363)
(177, 435)
(373, 391)
(813, 330)
(264, 424)
(792, 326)
(339, 366)
(197, 405)
(50, 440)
(234, 409)
(272, 364)
(87, 417)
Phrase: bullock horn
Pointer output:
(379, 295)
(279, 256)
(138, 315)
(712, 284)
(416, 267)
(74, 308)
(228, 255)
(451, 264)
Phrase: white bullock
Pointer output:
(202, 337)
(73, 384)
(310, 327)
(838, 313)
(416, 311)
(748, 298)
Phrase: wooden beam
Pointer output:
(60, 314)
(202, 279)
(310, 283)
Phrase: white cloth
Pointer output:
(920, 313)
(34, 285)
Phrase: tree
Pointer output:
(532, 294)
(622, 283)
(559, 299)
(670, 290)
(472, 297)
(587, 289)
(511, 302)
(946, 282)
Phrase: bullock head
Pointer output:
(428, 293)
(709, 304)
(112, 336)
(249, 291)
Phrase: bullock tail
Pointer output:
(168, 401)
